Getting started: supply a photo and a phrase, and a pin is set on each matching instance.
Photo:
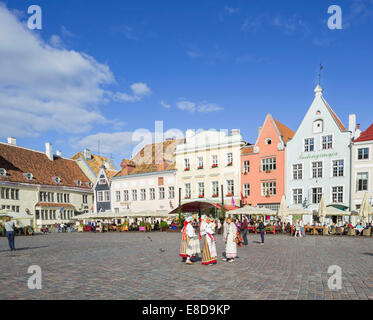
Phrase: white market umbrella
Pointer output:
(322, 209)
(250, 210)
(365, 208)
(282, 211)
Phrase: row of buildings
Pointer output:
(203, 170)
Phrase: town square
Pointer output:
(132, 266)
(186, 150)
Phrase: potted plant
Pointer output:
(229, 164)
(142, 226)
(187, 169)
(214, 195)
(200, 167)
(201, 196)
(214, 165)
(229, 195)
(163, 225)
(187, 197)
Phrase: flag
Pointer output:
(59, 214)
(233, 202)
(242, 199)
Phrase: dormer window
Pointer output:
(318, 126)
(2, 172)
(102, 180)
(57, 180)
(89, 184)
(79, 183)
(29, 176)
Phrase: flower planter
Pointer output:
(187, 169)
(199, 168)
(214, 166)
(141, 228)
(229, 164)
(200, 196)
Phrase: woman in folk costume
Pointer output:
(231, 245)
(209, 255)
(191, 240)
(183, 245)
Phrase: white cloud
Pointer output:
(139, 90)
(115, 143)
(48, 88)
(201, 107)
(165, 105)
(231, 10)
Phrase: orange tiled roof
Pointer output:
(285, 132)
(17, 161)
(367, 135)
(167, 148)
(146, 168)
(247, 150)
(95, 163)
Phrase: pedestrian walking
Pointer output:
(297, 230)
(261, 228)
(9, 228)
(244, 226)
(219, 226)
(301, 224)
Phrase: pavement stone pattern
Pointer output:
(144, 266)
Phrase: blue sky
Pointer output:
(191, 64)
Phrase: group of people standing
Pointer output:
(190, 241)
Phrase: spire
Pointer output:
(318, 91)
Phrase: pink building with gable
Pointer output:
(263, 166)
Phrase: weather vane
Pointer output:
(321, 67)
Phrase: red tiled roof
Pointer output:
(17, 161)
(95, 163)
(367, 135)
(285, 132)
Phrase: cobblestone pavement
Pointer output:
(147, 266)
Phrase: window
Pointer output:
(268, 188)
(85, 198)
(268, 141)
(186, 165)
(318, 126)
(2, 172)
(230, 188)
(100, 196)
(246, 190)
(134, 195)
(200, 163)
(201, 190)
(66, 197)
(316, 195)
(309, 145)
(363, 153)
(188, 192)
(214, 161)
(215, 189)
(337, 194)
(29, 176)
(246, 166)
(102, 180)
(79, 183)
(117, 196)
(317, 169)
(142, 194)
(297, 196)
(327, 142)
(160, 181)
(229, 159)
(297, 171)
(107, 196)
(152, 193)
(362, 181)
(338, 168)
(171, 192)
(57, 180)
(161, 193)
(126, 195)
(268, 164)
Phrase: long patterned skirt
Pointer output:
(209, 254)
(193, 247)
(183, 248)
(231, 247)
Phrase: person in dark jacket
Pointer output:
(262, 230)
(244, 231)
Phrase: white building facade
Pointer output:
(148, 191)
(318, 158)
(206, 161)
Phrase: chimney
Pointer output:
(49, 150)
(12, 141)
(162, 165)
(59, 153)
(357, 132)
(87, 154)
(235, 132)
(352, 124)
(127, 166)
